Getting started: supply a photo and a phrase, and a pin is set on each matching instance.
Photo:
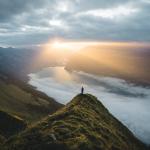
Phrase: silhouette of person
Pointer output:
(82, 90)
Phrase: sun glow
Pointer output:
(60, 45)
(75, 46)
(105, 53)
(66, 45)
(56, 44)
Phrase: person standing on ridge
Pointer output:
(82, 90)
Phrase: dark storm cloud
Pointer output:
(37, 21)
(10, 8)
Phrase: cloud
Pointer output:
(9, 9)
(111, 13)
(116, 20)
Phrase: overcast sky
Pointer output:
(32, 22)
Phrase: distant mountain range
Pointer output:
(129, 64)
(17, 63)
(83, 124)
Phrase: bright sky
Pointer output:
(70, 45)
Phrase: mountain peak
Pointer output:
(83, 124)
(85, 100)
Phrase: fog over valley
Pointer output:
(126, 101)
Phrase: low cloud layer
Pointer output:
(34, 22)
(128, 102)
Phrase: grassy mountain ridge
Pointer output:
(83, 124)
(22, 100)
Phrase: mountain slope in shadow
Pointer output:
(83, 124)
(10, 125)
(20, 99)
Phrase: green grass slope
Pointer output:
(83, 124)
(10, 125)
(19, 99)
